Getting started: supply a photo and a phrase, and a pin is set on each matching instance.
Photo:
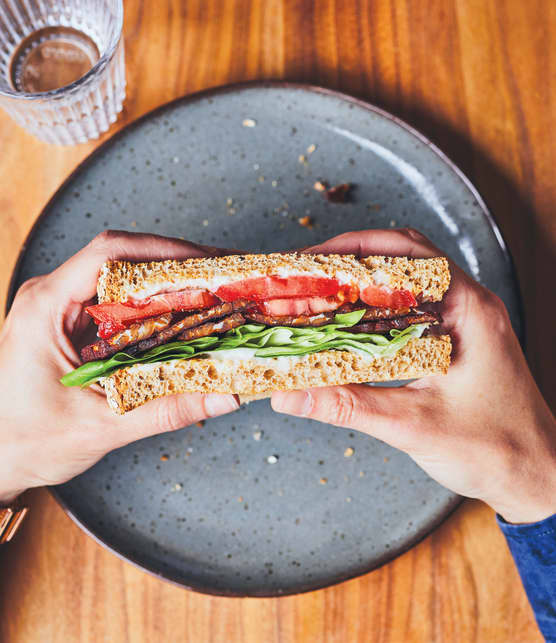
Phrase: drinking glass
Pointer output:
(62, 70)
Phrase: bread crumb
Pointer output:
(338, 193)
(134, 224)
(311, 148)
(177, 487)
(306, 222)
(176, 159)
(229, 201)
(386, 459)
(205, 222)
(392, 223)
(349, 452)
(274, 184)
(302, 159)
(200, 423)
(261, 179)
(257, 436)
(320, 186)
(323, 480)
(348, 499)
(164, 457)
(272, 459)
(240, 499)
(249, 122)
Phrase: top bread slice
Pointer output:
(427, 279)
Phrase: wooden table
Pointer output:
(477, 77)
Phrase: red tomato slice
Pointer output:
(384, 297)
(296, 307)
(115, 316)
(107, 329)
(263, 288)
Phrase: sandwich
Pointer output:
(254, 324)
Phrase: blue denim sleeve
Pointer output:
(533, 547)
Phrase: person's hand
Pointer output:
(49, 433)
(483, 430)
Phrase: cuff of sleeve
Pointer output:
(527, 530)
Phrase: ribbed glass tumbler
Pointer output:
(62, 70)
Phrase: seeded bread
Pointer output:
(133, 386)
(427, 279)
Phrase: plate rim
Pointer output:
(236, 88)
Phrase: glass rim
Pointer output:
(60, 92)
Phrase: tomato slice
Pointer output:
(384, 297)
(107, 329)
(264, 288)
(296, 307)
(113, 316)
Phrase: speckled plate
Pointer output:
(208, 507)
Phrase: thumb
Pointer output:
(171, 413)
(396, 416)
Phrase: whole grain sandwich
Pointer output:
(253, 324)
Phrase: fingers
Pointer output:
(168, 414)
(391, 415)
(76, 279)
(392, 243)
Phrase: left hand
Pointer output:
(49, 433)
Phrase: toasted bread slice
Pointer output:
(427, 279)
(131, 387)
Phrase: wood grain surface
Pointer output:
(476, 76)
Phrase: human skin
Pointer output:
(483, 430)
(49, 433)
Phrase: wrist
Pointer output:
(9, 497)
(529, 488)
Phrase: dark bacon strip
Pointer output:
(136, 332)
(385, 325)
(220, 326)
(190, 321)
(372, 312)
(325, 318)
(287, 320)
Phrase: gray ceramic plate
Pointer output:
(204, 507)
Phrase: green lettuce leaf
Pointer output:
(276, 341)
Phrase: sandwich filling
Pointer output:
(271, 316)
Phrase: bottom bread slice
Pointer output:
(131, 387)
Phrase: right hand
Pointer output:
(483, 430)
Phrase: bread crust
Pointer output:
(120, 280)
(131, 387)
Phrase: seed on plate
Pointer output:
(302, 158)
(249, 122)
(311, 148)
(348, 452)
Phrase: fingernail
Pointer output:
(293, 402)
(216, 404)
